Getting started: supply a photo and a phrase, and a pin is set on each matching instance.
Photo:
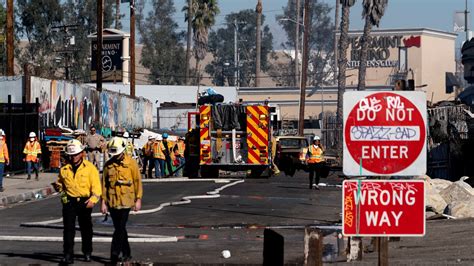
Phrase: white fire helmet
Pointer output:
(74, 147)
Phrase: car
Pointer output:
(291, 153)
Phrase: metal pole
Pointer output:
(336, 28)
(117, 13)
(466, 23)
(258, 42)
(132, 48)
(236, 56)
(304, 68)
(100, 29)
(297, 43)
(10, 60)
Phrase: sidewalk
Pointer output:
(18, 189)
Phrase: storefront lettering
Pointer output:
(378, 54)
(374, 63)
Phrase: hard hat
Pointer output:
(181, 138)
(165, 135)
(116, 146)
(159, 137)
(32, 135)
(316, 138)
(151, 137)
(74, 147)
(2, 133)
(126, 135)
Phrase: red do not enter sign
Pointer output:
(384, 133)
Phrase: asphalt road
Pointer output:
(203, 228)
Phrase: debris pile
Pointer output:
(454, 199)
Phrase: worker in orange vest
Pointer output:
(315, 161)
(4, 159)
(159, 157)
(32, 150)
(147, 152)
(178, 150)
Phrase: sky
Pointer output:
(434, 14)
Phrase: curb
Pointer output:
(26, 196)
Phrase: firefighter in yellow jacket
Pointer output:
(121, 191)
(4, 159)
(32, 151)
(79, 184)
(315, 161)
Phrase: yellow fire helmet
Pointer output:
(116, 146)
(74, 147)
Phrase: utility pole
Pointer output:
(304, 68)
(336, 29)
(10, 65)
(188, 41)
(132, 48)
(466, 24)
(100, 38)
(258, 9)
(297, 43)
(236, 55)
(117, 13)
(68, 43)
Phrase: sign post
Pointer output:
(384, 135)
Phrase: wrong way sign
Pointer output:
(384, 133)
(383, 208)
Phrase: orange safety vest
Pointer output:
(148, 149)
(158, 149)
(32, 149)
(315, 154)
(180, 149)
(3, 152)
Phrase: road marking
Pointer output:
(144, 239)
(94, 239)
(187, 179)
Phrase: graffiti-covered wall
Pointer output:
(77, 106)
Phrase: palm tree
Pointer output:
(203, 18)
(188, 38)
(343, 46)
(372, 13)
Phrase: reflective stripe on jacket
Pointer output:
(32, 149)
(121, 183)
(3, 152)
(85, 183)
(315, 154)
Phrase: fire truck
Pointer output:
(229, 137)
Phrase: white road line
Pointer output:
(139, 239)
(187, 179)
(94, 239)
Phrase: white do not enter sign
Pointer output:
(384, 133)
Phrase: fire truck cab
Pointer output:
(229, 137)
